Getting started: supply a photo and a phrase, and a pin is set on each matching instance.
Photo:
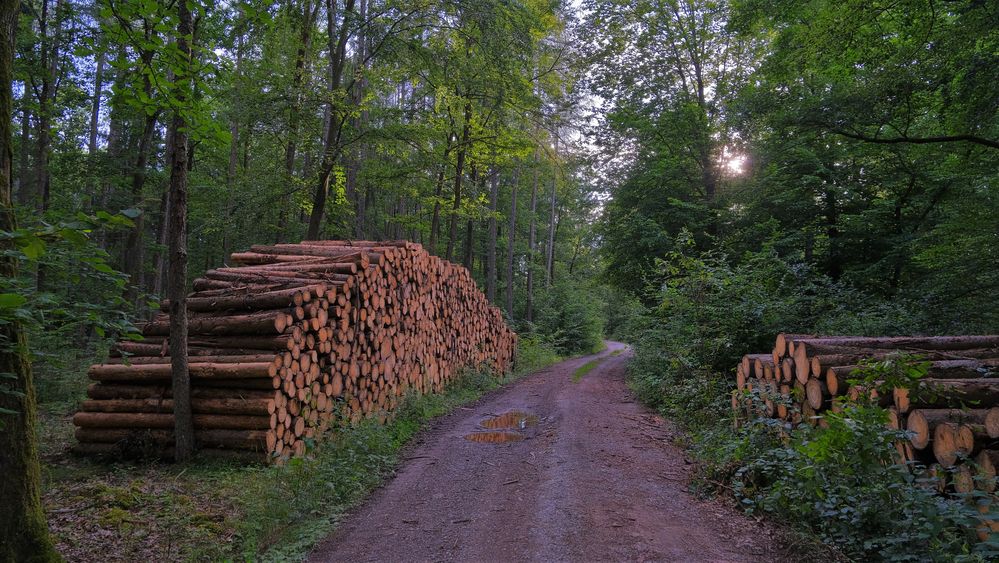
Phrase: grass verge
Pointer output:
(585, 369)
(212, 510)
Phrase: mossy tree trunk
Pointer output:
(23, 533)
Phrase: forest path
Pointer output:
(594, 478)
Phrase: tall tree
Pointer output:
(177, 241)
(23, 533)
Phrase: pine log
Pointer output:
(113, 391)
(167, 452)
(256, 407)
(948, 393)
(158, 372)
(922, 422)
(238, 439)
(160, 420)
(269, 322)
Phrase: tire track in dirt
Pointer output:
(594, 479)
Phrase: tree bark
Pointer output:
(510, 238)
(180, 377)
(435, 220)
(459, 171)
(23, 185)
(550, 248)
(95, 104)
(23, 533)
(309, 12)
(491, 274)
(531, 238)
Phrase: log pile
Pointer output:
(951, 415)
(294, 340)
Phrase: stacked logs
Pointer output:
(951, 415)
(295, 340)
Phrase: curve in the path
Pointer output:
(594, 478)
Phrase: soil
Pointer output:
(576, 470)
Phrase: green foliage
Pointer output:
(569, 317)
(534, 353)
(79, 296)
(842, 482)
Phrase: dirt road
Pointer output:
(588, 474)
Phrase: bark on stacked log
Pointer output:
(952, 414)
(296, 339)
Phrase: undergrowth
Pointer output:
(839, 483)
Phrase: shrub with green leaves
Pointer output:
(569, 316)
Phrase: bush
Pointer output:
(569, 317)
(841, 481)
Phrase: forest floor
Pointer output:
(585, 473)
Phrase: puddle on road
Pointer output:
(494, 437)
(513, 419)
(506, 427)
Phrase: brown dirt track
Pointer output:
(595, 479)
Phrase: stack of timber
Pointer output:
(295, 340)
(951, 415)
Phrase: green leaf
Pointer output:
(12, 300)
(33, 247)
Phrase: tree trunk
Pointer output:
(491, 246)
(23, 533)
(230, 177)
(550, 248)
(95, 105)
(23, 159)
(459, 171)
(435, 220)
(531, 238)
(510, 238)
(334, 127)
(182, 417)
(305, 40)
(134, 258)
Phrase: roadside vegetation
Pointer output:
(214, 510)
(840, 483)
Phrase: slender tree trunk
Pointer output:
(834, 266)
(23, 533)
(180, 376)
(95, 104)
(459, 172)
(230, 176)
(44, 113)
(134, 258)
(308, 14)
(468, 257)
(532, 238)
(23, 158)
(510, 239)
(159, 279)
(334, 128)
(95, 113)
(491, 246)
(360, 194)
(435, 220)
(550, 249)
